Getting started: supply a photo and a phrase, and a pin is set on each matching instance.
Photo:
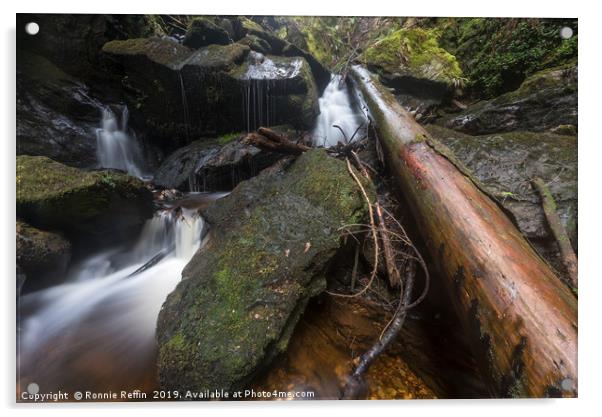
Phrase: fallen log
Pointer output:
(521, 318)
(569, 259)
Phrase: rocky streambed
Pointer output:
(158, 250)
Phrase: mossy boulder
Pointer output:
(203, 31)
(40, 253)
(220, 57)
(176, 93)
(54, 196)
(241, 295)
(256, 43)
(543, 101)
(505, 164)
(412, 60)
(161, 51)
(250, 27)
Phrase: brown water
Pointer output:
(96, 333)
(334, 331)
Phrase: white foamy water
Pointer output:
(336, 109)
(116, 147)
(101, 322)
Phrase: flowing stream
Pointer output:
(117, 147)
(97, 329)
(336, 108)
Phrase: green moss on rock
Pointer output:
(157, 50)
(505, 163)
(543, 101)
(416, 53)
(53, 195)
(498, 54)
(221, 57)
(256, 43)
(243, 292)
(39, 251)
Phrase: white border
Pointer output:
(590, 153)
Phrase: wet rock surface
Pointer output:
(56, 116)
(542, 102)
(40, 253)
(58, 197)
(212, 165)
(180, 93)
(241, 295)
(505, 164)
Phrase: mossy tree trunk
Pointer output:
(521, 318)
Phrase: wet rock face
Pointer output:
(40, 252)
(177, 93)
(241, 295)
(212, 164)
(54, 196)
(56, 117)
(505, 163)
(544, 101)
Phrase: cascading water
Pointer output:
(263, 81)
(336, 108)
(98, 328)
(116, 147)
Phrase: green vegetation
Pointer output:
(169, 54)
(238, 303)
(228, 137)
(333, 40)
(498, 54)
(415, 52)
(55, 195)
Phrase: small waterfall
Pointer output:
(99, 326)
(259, 104)
(259, 89)
(336, 108)
(115, 147)
(185, 108)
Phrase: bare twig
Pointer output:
(374, 236)
(392, 271)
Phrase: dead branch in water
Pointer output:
(355, 385)
(569, 259)
(269, 140)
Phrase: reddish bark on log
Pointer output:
(521, 318)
